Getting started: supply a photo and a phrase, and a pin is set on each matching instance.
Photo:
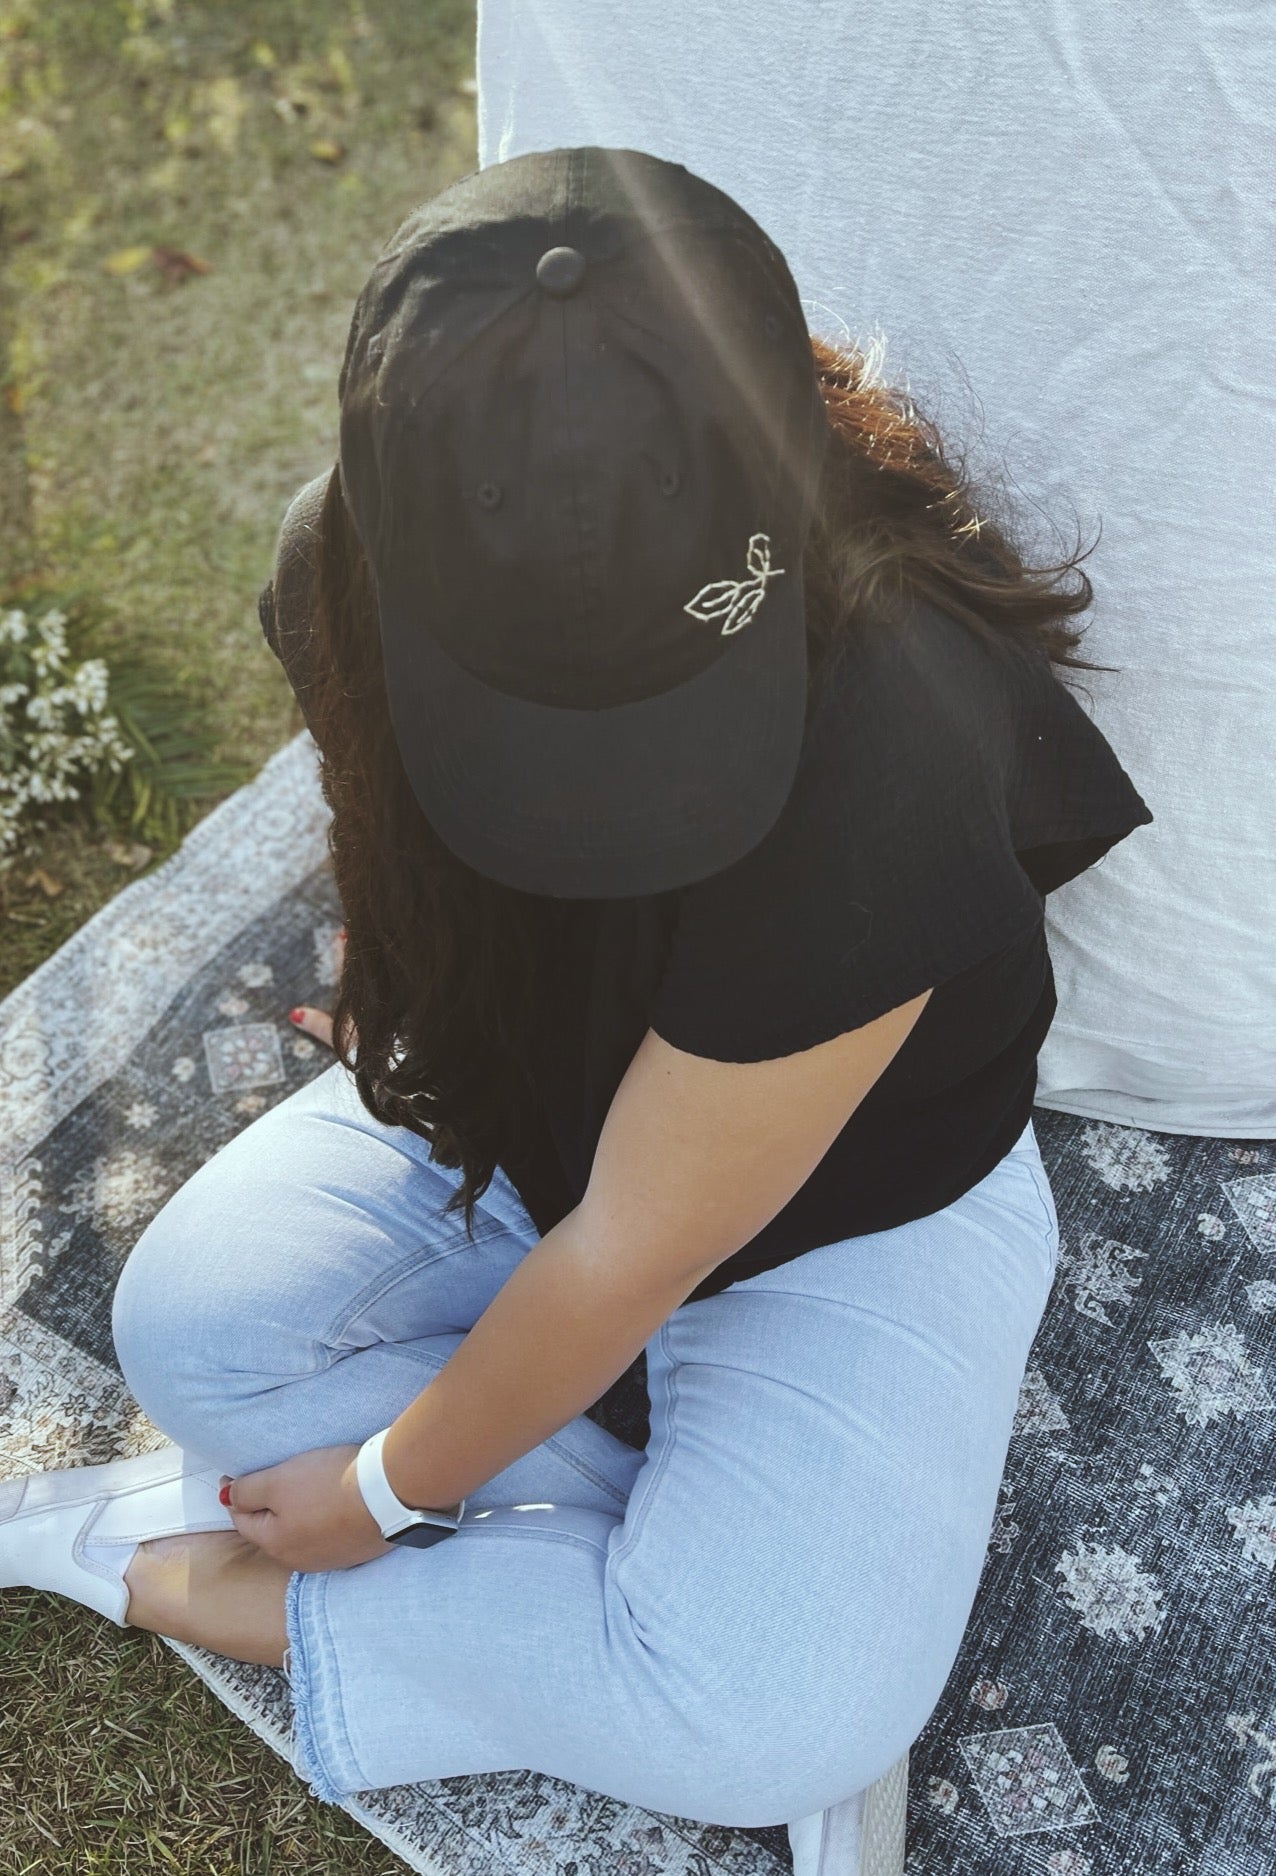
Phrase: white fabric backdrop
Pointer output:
(1061, 222)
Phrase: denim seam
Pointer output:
(1048, 1214)
(526, 1224)
(541, 1535)
(420, 1257)
(586, 1471)
(640, 1518)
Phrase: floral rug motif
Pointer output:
(1112, 1711)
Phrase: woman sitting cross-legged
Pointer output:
(699, 760)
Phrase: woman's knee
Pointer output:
(775, 1720)
(777, 1758)
(162, 1312)
(196, 1298)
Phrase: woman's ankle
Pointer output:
(214, 1589)
(166, 1576)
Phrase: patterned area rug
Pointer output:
(1113, 1708)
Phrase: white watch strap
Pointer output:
(391, 1514)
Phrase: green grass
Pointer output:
(152, 431)
(151, 435)
(117, 1760)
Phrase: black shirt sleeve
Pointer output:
(893, 866)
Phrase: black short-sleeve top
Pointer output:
(946, 785)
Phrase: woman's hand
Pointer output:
(307, 1512)
(318, 1023)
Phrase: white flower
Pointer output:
(183, 1068)
(255, 974)
(232, 1006)
(55, 732)
(141, 1114)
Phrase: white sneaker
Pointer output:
(75, 1531)
(862, 1836)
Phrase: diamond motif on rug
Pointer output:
(1254, 1202)
(1123, 1637)
(1027, 1779)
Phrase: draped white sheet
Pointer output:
(1057, 225)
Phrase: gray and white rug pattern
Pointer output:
(1112, 1711)
(143, 1045)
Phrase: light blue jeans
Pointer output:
(744, 1624)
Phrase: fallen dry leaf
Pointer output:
(128, 853)
(126, 260)
(49, 886)
(327, 149)
(15, 397)
(176, 264)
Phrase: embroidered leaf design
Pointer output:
(746, 604)
(759, 556)
(737, 600)
(712, 601)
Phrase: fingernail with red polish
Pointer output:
(224, 1495)
(295, 1016)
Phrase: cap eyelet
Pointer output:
(771, 326)
(670, 481)
(488, 495)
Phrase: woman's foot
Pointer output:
(74, 1531)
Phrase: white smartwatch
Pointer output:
(399, 1523)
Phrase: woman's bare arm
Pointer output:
(695, 1157)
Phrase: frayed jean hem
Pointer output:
(307, 1759)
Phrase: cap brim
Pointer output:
(629, 800)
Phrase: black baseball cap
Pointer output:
(581, 436)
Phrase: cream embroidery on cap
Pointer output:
(738, 600)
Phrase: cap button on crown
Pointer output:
(559, 271)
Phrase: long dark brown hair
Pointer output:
(441, 972)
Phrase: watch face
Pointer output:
(421, 1536)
